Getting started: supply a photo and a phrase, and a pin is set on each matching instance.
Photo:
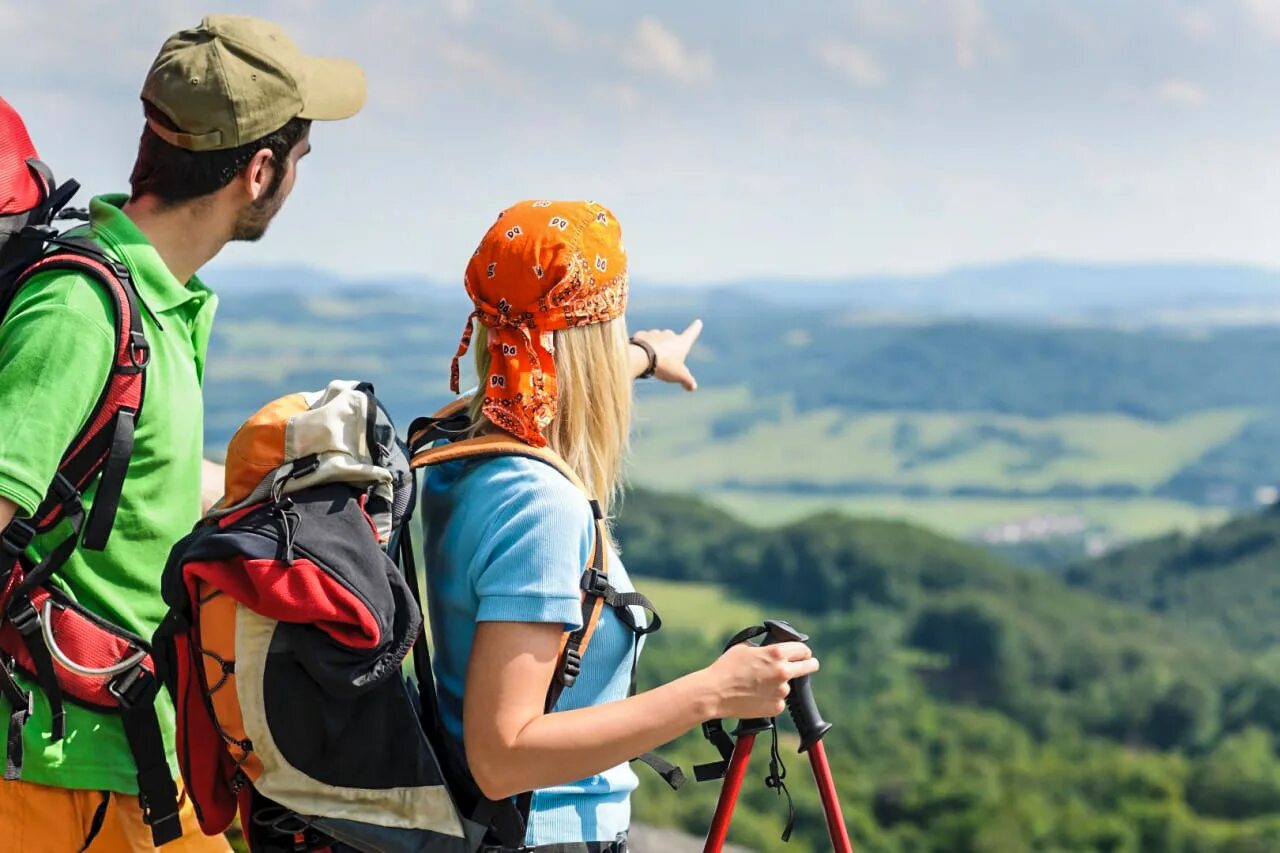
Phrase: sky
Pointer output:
(732, 139)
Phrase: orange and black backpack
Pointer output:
(294, 608)
(73, 654)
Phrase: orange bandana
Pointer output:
(543, 266)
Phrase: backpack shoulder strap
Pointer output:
(493, 446)
(594, 587)
(105, 443)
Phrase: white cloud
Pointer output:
(620, 94)
(853, 61)
(459, 10)
(1266, 14)
(559, 28)
(884, 17)
(1182, 93)
(1198, 23)
(473, 62)
(972, 32)
(654, 49)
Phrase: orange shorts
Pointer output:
(40, 819)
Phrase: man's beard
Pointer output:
(254, 219)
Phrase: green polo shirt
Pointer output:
(56, 348)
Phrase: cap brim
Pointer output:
(334, 89)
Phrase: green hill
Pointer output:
(978, 707)
(1223, 582)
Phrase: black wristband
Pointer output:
(651, 353)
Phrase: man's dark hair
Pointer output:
(175, 175)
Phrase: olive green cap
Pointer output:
(234, 79)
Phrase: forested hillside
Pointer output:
(1224, 582)
(978, 707)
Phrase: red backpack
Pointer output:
(73, 654)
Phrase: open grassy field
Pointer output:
(718, 435)
(700, 606)
(956, 472)
(1136, 518)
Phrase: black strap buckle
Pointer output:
(713, 731)
(132, 687)
(23, 616)
(572, 666)
(16, 537)
(595, 582)
(64, 490)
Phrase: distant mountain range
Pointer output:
(1044, 289)
(1066, 291)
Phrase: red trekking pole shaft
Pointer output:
(729, 794)
(830, 801)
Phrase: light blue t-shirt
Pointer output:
(506, 541)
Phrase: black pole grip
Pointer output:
(800, 702)
(805, 713)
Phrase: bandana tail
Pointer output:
(516, 397)
(463, 346)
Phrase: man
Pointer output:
(228, 107)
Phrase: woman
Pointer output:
(508, 538)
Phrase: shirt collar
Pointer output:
(157, 286)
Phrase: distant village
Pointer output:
(1044, 526)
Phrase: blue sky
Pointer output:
(734, 139)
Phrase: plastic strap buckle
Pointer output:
(64, 490)
(16, 537)
(24, 617)
(131, 687)
(595, 582)
(572, 667)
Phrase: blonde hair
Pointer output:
(592, 427)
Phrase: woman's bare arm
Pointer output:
(512, 746)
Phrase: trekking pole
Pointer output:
(830, 800)
(746, 739)
(811, 727)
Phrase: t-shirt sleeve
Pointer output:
(54, 361)
(538, 538)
